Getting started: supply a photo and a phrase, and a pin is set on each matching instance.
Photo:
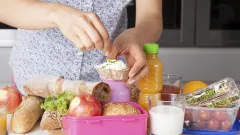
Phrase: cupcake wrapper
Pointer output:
(117, 75)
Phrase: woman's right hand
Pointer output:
(84, 29)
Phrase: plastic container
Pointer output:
(107, 125)
(234, 131)
(220, 89)
(210, 119)
(120, 91)
(152, 83)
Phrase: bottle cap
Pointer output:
(151, 48)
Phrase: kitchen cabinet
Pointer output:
(218, 23)
(199, 23)
(178, 22)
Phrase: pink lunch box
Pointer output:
(107, 125)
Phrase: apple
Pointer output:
(12, 96)
(84, 105)
(3, 97)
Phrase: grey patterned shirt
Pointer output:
(48, 52)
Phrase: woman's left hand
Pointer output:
(126, 44)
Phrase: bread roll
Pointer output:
(119, 109)
(26, 115)
(51, 120)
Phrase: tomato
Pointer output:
(200, 124)
(226, 124)
(220, 115)
(213, 124)
(204, 115)
(188, 115)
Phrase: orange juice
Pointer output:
(143, 100)
(3, 123)
(152, 82)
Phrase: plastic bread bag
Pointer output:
(100, 90)
(47, 85)
(217, 89)
(42, 85)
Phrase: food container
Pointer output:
(219, 90)
(234, 131)
(107, 125)
(210, 119)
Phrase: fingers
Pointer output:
(77, 41)
(86, 40)
(90, 31)
(102, 31)
(94, 35)
(113, 53)
(140, 75)
(138, 65)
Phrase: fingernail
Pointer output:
(132, 75)
(131, 81)
(106, 53)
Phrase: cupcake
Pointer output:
(115, 70)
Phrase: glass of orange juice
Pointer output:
(3, 118)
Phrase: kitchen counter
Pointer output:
(35, 131)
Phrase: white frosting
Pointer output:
(113, 64)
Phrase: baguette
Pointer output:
(26, 115)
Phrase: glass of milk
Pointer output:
(166, 118)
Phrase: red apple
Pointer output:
(84, 105)
(3, 97)
(12, 96)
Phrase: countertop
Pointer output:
(35, 131)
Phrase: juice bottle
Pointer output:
(3, 123)
(152, 82)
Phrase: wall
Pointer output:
(208, 64)
(5, 71)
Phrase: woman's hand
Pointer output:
(84, 29)
(127, 45)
